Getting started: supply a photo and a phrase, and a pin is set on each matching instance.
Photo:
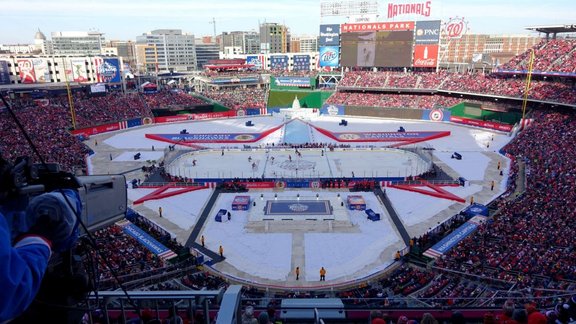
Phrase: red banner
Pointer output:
(212, 115)
(97, 129)
(184, 117)
(481, 123)
(259, 185)
(171, 119)
(377, 26)
(425, 55)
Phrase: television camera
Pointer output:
(104, 201)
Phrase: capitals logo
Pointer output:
(244, 137)
(108, 72)
(332, 110)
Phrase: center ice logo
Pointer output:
(296, 165)
(298, 208)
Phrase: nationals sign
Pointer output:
(418, 8)
(377, 26)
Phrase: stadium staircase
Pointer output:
(395, 218)
(191, 243)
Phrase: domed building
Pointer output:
(41, 45)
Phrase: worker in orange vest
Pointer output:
(221, 250)
(297, 273)
(322, 274)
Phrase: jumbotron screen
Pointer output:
(377, 48)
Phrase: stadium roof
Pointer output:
(553, 29)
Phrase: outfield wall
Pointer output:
(307, 98)
(398, 113)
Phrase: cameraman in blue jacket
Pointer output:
(52, 226)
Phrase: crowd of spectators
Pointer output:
(556, 55)
(120, 253)
(294, 73)
(159, 234)
(393, 100)
(203, 281)
(235, 73)
(48, 122)
(476, 83)
(314, 145)
(530, 239)
(238, 98)
(47, 127)
(98, 110)
(165, 99)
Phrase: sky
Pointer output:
(124, 20)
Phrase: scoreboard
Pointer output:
(388, 44)
(380, 49)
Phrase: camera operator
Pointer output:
(52, 227)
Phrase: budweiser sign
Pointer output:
(422, 9)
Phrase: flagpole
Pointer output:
(70, 100)
(527, 88)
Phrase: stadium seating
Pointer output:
(555, 55)
(237, 98)
(166, 99)
(474, 83)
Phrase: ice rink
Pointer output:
(311, 163)
(267, 254)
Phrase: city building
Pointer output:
(304, 44)
(240, 42)
(42, 45)
(126, 50)
(77, 43)
(274, 38)
(165, 50)
(206, 49)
